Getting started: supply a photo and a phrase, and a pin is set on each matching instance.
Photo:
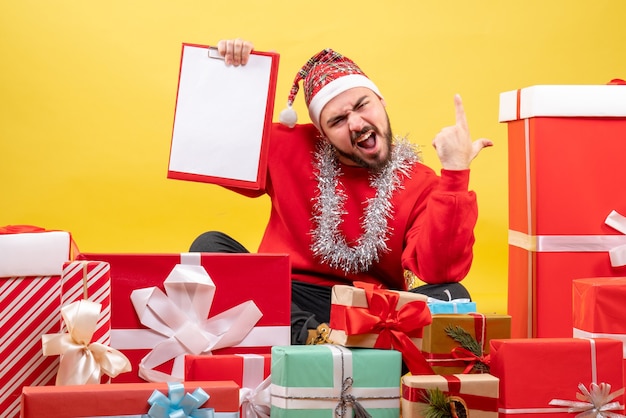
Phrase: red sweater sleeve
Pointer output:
(439, 241)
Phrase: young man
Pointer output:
(351, 202)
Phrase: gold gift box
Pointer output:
(443, 352)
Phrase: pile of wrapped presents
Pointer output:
(189, 335)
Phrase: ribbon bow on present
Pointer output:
(82, 362)
(392, 325)
(178, 404)
(593, 403)
(617, 255)
(472, 359)
(180, 318)
(256, 403)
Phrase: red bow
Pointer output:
(463, 354)
(393, 326)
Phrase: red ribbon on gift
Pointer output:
(461, 354)
(465, 355)
(476, 402)
(393, 326)
(21, 229)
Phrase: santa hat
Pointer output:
(324, 76)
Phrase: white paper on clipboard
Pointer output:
(222, 115)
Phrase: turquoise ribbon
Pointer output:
(179, 404)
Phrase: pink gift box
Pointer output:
(239, 278)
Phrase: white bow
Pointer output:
(180, 317)
(256, 403)
(593, 403)
(82, 362)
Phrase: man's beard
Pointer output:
(378, 163)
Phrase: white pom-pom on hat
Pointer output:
(288, 116)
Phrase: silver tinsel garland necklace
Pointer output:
(329, 244)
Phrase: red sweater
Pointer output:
(431, 228)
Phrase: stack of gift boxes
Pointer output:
(155, 335)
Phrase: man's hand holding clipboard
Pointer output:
(224, 109)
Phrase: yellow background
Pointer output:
(88, 89)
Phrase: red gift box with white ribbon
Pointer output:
(550, 376)
(250, 371)
(167, 306)
(599, 309)
(566, 171)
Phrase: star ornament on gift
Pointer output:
(82, 362)
(595, 402)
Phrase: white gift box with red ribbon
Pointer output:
(32, 251)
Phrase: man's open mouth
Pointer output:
(367, 140)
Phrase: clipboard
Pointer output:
(223, 118)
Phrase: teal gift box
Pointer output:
(460, 306)
(324, 381)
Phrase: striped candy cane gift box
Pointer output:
(30, 307)
(31, 264)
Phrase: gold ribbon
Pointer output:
(596, 402)
(82, 362)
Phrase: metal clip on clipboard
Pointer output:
(214, 53)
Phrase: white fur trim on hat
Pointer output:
(335, 88)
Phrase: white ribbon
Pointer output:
(593, 403)
(254, 395)
(256, 402)
(615, 245)
(579, 333)
(180, 319)
(82, 362)
(617, 254)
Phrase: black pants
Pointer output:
(310, 304)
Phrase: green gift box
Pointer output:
(322, 381)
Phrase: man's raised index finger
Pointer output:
(460, 112)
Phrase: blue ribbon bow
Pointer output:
(179, 404)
